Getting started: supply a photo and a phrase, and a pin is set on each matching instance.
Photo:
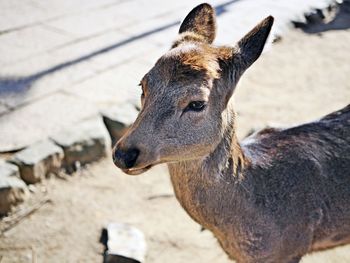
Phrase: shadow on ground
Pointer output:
(316, 22)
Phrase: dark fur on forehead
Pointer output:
(183, 66)
(190, 59)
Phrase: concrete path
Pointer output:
(64, 61)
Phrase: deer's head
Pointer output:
(185, 96)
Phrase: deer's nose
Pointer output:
(125, 159)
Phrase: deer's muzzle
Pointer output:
(125, 159)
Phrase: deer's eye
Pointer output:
(195, 106)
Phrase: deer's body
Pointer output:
(288, 195)
(279, 194)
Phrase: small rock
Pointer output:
(12, 189)
(84, 143)
(32, 188)
(38, 160)
(125, 244)
(118, 119)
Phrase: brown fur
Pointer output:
(188, 37)
(201, 60)
(277, 195)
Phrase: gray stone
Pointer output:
(113, 87)
(118, 119)
(29, 41)
(3, 109)
(84, 143)
(36, 121)
(38, 160)
(84, 24)
(125, 244)
(12, 189)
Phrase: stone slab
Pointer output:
(16, 91)
(12, 189)
(13, 15)
(135, 49)
(84, 143)
(23, 255)
(113, 86)
(84, 24)
(3, 109)
(28, 42)
(38, 160)
(59, 68)
(37, 121)
(125, 244)
(118, 119)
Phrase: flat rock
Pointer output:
(3, 109)
(118, 119)
(125, 244)
(38, 160)
(84, 143)
(40, 119)
(12, 189)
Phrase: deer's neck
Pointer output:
(201, 185)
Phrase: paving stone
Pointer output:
(30, 66)
(94, 45)
(34, 122)
(23, 255)
(29, 41)
(84, 143)
(141, 11)
(135, 49)
(38, 160)
(76, 49)
(126, 244)
(161, 29)
(118, 119)
(23, 90)
(115, 86)
(13, 15)
(12, 189)
(40, 75)
(59, 8)
(84, 24)
(3, 109)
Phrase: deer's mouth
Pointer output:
(137, 171)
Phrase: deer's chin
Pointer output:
(137, 171)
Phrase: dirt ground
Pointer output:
(302, 78)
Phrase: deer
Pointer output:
(272, 197)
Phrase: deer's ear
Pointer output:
(201, 21)
(252, 44)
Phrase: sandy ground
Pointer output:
(302, 78)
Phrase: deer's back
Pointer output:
(301, 177)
